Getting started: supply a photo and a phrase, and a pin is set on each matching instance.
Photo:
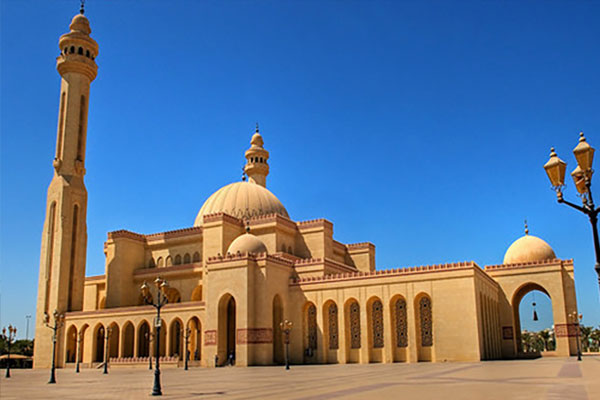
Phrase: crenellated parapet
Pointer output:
(528, 264)
(386, 273)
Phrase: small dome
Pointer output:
(257, 140)
(81, 24)
(247, 243)
(241, 200)
(528, 248)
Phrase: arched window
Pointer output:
(196, 257)
(426, 323)
(80, 51)
(65, 50)
(311, 322)
(354, 326)
(377, 322)
(197, 293)
(290, 250)
(169, 261)
(178, 259)
(333, 326)
(160, 262)
(72, 49)
(401, 325)
(87, 53)
(186, 258)
(173, 296)
(152, 263)
(81, 128)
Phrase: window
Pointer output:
(426, 323)
(377, 322)
(354, 326)
(333, 326)
(401, 326)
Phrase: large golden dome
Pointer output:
(242, 200)
(528, 248)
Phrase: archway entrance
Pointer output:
(227, 329)
(534, 321)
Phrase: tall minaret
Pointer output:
(257, 167)
(64, 238)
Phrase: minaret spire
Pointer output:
(81, 8)
(257, 167)
(64, 237)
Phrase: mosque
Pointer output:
(245, 266)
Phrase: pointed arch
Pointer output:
(187, 259)
(197, 293)
(399, 328)
(178, 259)
(175, 335)
(352, 328)
(195, 339)
(144, 339)
(278, 356)
(98, 343)
(113, 340)
(310, 331)
(196, 257)
(71, 350)
(424, 323)
(127, 341)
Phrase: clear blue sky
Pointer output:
(419, 126)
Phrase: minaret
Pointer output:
(64, 238)
(257, 167)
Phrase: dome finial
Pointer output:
(526, 228)
(81, 8)
(247, 226)
(257, 128)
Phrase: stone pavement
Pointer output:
(545, 378)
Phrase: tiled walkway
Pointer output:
(547, 378)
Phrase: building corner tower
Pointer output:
(64, 237)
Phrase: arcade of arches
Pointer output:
(245, 266)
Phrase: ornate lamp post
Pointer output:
(8, 338)
(150, 337)
(107, 333)
(286, 327)
(161, 300)
(79, 337)
(573, 317)
(186, 354)
(59, 320)
(582, 177)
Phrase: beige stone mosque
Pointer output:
(245, 266)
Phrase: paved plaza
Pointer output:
(547, 378)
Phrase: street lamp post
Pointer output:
(186, 354)
(582, 177)
(573, 317)
(150, 337)
(59, 320)
(161, 300)
(8, 338)
(107, 333)
(79, 337)
(286, 327)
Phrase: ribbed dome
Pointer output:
(247, 243)
(241, 200)
(528, 248)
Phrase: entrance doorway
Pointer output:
(534, 321)
(227, 330)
